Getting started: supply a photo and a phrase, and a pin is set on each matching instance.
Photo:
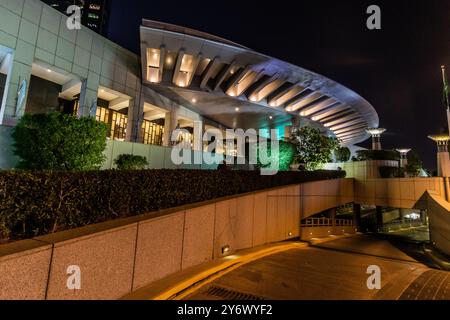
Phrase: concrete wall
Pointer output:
(439, 220)
(396, 193)
(121, 256)
(323, 195)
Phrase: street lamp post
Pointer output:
(443, 157)
(376, 137)
(403, 157)
(446, 95)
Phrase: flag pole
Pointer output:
(446, 97)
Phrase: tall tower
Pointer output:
(376, 137)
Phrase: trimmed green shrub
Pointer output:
(365, 155)
(56, 141)
(285, 155)
(131, 162)
(342, 154)
(38, 203)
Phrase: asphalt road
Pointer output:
(335, 270)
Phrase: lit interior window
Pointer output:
(154, 62)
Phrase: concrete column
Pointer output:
(171, 121)
(199, 129)
(135, 118)
(88, 99)
(443, 157)
(376, 137)
(403, 157)
(17, 86)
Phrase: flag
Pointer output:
(446, 89)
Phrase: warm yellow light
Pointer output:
(237, 109)
(194, 100)
(439, 137)
(376, 131)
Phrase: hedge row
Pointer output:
(364, 155)
(38, 203)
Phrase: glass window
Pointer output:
(152, 132)
(118, 126)
(102, 115)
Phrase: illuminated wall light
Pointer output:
(194, 100)
(271, 117)
(226, 249)
(49, 71)
(237, 109)
(169, 60)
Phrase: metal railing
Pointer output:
(397, 225)
(326, 222)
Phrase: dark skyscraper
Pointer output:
(94, 13)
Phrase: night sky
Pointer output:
(397, 69)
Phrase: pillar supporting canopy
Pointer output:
(376, 137)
